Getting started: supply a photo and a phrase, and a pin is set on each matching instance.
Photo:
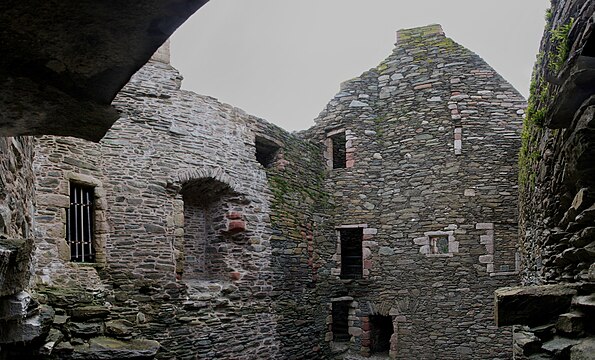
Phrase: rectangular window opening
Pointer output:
(381, 331)
(439, 244)
(266, 151)
(79, 223)
(351, 253)
(340, 324)
(339, 142)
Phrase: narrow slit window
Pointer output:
(79, 223)
(340, 319)
(351, 253)
(439, 244)
(339, 143)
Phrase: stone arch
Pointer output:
(383, 308)
(215, 173)
(379, 329)
(213, 221)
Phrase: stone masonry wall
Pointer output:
(189, 242)
(16, 213)
(302, 229)
(557, 195)
(217, 233)
(432, 135)
(21, 318)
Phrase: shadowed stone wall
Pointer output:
(557, 195)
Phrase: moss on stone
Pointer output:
(561, 43)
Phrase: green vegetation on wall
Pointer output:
(561, 43)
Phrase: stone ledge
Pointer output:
(504, 273)
(532, 305)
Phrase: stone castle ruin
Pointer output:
(193, 230)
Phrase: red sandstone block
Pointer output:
(236, 226)
(234, 215)
(350, 163)
(234, 275)
(365, 342)
(367, 264)
(365, 327)
(422, 86)
(367, 236)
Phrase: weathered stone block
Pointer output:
(15, 258)
(86, 329)
(105, 348)
(558, 345)
(525, 343)
(236, 226)
(118, 328)
(89, 312)
(585, 350)
(15, 306)
(56, 200)
(486, 239)
(28, 329)
(570, 323)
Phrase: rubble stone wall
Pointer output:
(17, 199)
(217, 233)
(557, 195)
(188, 253)
(432, 136)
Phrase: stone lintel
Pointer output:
(532, 305)
(342, 298)
(484, 226)
(353, 226)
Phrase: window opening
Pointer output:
(458, 140)
(266, 151)
(351, 253)
(439, 244)
(207, 250)
(381, 330)
(341, 321)
(79, 223)
(339, 143)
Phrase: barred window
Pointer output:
(79, 223)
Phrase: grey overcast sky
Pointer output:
(283, 60)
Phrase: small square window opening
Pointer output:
(439, 244)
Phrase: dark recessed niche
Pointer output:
(339, 142)
(266, 151)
